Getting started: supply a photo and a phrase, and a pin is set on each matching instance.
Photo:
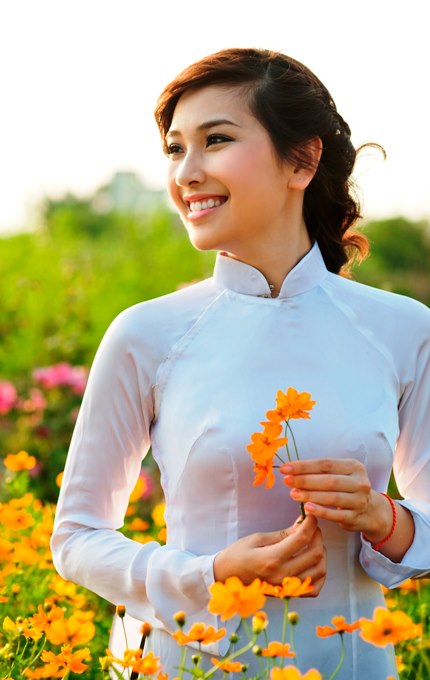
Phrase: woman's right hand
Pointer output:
(295, 551)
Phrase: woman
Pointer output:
(259, 170)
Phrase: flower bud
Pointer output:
(234, 638)
(195, 659)
(259, 622)
(180, 618)
(120, 610)
(257, 650)
(293, 618)
(146, 628)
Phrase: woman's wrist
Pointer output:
(381, 519)
(384, 531)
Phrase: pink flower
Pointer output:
(62, 375)
(35, 402)
(8, 396)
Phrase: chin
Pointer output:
(201, 241)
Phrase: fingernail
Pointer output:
(294, 493)
(310, 507)
(288, 480)
(285, 469)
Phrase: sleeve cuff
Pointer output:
(415, 563)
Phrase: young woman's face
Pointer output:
(229, 187)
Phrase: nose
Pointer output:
(190, 170)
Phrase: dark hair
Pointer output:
(294, 107)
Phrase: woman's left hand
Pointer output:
(337, 490)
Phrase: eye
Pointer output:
(217, 139)
(172, 149)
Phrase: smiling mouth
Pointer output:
(206, 204)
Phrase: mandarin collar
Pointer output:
(246, 279)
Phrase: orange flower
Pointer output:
(293, 673)
(232, 597)
(277, 649)
(67, 660)
(340, 627)
(45, 616)
(291, 404)
(388, 627)
(266, 444)
(228, 666)
(19, 461)
(291, 586)
(76, 630)
(264, 473)
(199, 633)
(147, 665)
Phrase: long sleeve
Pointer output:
(411, 463)
(111, 437)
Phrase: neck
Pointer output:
(275, 261)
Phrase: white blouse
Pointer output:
(191, 374)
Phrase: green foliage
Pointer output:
(399, 259)
(59, 293)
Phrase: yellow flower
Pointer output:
(157, 514)
(277, 649)
(291, 404)
(227, 666)
(19, 461)
(388, 627)
(340, 627)
(199, 633)
(232, 597)
(292, 673)
(259, 622)
(291, 586)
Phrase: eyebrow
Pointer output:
(205, 126)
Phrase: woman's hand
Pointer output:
(339, 490)
(295, 551)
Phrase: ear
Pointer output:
(308, 157)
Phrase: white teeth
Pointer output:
(204, 205)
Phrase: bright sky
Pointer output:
(79, 80)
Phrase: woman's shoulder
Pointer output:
(381, 303)
(157, 319)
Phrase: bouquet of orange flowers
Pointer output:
(264, 447)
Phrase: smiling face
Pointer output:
(229, 187)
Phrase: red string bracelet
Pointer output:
(376, 546)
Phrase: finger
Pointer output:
(311, 561)
(348, 519)
(349, 483)
(352, 501)
(261, 540)
(340, 466)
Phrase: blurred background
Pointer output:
(85, 226)
(86, 230)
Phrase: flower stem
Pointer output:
(285, 622)
(288, 427)
(341, 660)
